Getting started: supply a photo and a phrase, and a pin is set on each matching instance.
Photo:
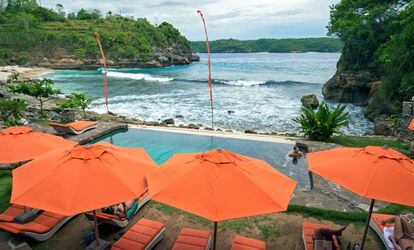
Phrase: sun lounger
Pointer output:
(243, 243)
(41, 228)
(307, 234)
(145, 234)
(376, 225)
(11, 212)
(76, 128)
(192, 239)
(118, 221)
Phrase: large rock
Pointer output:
(169, 121)
(310, 100)
(383, 125)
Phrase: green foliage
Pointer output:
(42, 90)
(12, 110)
(363, 141)
(77, 100)
(5, 189)
(13, 77)
(28, 31)
(323, 123)
(378, 36)
(331, 215)
(271, 45)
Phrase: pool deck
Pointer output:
(234, 135)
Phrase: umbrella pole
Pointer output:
(96, 228)
(371, 207)
(215, 235)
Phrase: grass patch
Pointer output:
(41, 122)
(395, 209)
(356, 217)
(363, 141)
(234, 225)
(5, 189)
(268, 230)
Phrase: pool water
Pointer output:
(161, 145)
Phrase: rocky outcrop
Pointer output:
(383, 125)
(310, 100)
(162, 57)
(360, 87)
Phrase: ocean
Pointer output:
(262, 91)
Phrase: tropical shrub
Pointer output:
(320, 125)
(77, 100)
(42, 90)
(11, 111)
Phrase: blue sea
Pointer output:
(263, 90)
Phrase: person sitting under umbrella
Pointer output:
(399, 236)
(119, 209)
(327, 234)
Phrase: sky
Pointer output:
(239, 19)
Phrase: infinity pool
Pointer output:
(161, 145)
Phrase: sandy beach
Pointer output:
(25, 73)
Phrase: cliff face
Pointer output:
(359, 87)
(60, 58)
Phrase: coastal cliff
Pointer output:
(360, 87)
(31, 35)
(375, 69)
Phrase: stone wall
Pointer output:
(407, 115)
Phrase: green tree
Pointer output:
(12, 110)
(320, 125)
(42, 90)
(77, 100)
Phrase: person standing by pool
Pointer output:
(295, 154)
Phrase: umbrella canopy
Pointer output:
(82, 178)
(220, 185)
(376, 173)
(411, 125)
(21, 143)
(372, 172)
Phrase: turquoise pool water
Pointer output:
(162, 145)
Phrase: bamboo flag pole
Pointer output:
(209, 68)
(98, 40)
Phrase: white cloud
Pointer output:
(246, 19)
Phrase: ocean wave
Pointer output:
(246, 83)
(138, 76)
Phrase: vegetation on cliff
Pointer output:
(323, 44)
(29, 33)
(378, 38)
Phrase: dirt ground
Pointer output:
(280, 230)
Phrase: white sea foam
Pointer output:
(139, 76)
(244, 83)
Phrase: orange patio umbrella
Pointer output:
(220, 185)
(81, 179)
(21, 143)
(376, 173)
(411, 125)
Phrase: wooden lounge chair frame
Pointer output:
(34, 235)
(67, 129)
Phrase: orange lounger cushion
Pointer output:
(139, 236)
(78, 125)
(42, 224)
(11, 212)
(192, 239)
(307, 232)
(378, 218)
(243, 243)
